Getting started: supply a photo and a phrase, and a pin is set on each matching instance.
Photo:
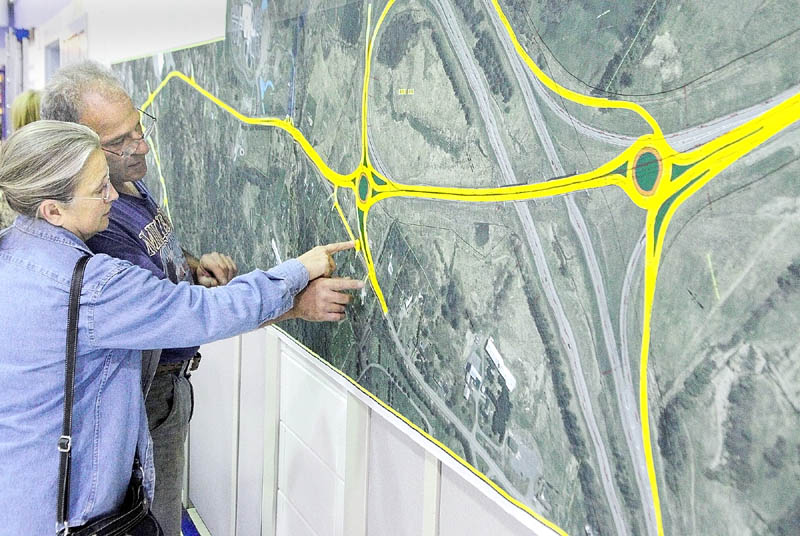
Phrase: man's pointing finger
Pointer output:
(343, 283)
(339, 246)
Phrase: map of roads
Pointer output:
(579, 223)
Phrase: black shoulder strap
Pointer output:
(65, 441)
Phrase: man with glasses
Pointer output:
(140, 232)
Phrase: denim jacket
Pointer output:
(123, 309)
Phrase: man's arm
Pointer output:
(323, 300)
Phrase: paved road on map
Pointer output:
(682, 140)
(625, 395)
(627, 284)
(437, 401)
(485, 105)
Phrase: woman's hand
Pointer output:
(319, 261)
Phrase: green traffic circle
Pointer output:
(647, 171)
(363, 188)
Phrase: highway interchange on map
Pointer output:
(575, 429)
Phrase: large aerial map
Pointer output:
(579, 223)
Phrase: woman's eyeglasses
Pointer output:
(105, 194)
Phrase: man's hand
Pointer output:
(215, 269)
(323, 300)
(319, 261)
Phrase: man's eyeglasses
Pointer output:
(105, 195)
(130, 143)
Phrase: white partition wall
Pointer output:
(253, 398)
(312, 442)
(280, 444)
(213, 441)
(396, 491)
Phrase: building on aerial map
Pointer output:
(499, 363)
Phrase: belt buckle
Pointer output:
(190, 365)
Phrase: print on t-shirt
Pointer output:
(159, 238)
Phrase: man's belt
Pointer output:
(182, 367)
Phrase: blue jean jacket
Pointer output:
(123, 309)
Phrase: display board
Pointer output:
(578, 222)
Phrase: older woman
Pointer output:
(55, 176)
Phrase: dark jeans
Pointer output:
(169, 408)
(148, 527)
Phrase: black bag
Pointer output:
(133, 517)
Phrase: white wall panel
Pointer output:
(310, 485)
(290, 522)
(431, 498)
(467, 511)
(396, 480)
(213, 436)
(272, 427)
(354, 522)
(316, 411)
(324, 459)
(253, 397)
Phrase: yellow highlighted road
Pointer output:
(658, 189)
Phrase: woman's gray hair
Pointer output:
(63, 98)
(43, 160)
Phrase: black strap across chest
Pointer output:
(65, 441)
